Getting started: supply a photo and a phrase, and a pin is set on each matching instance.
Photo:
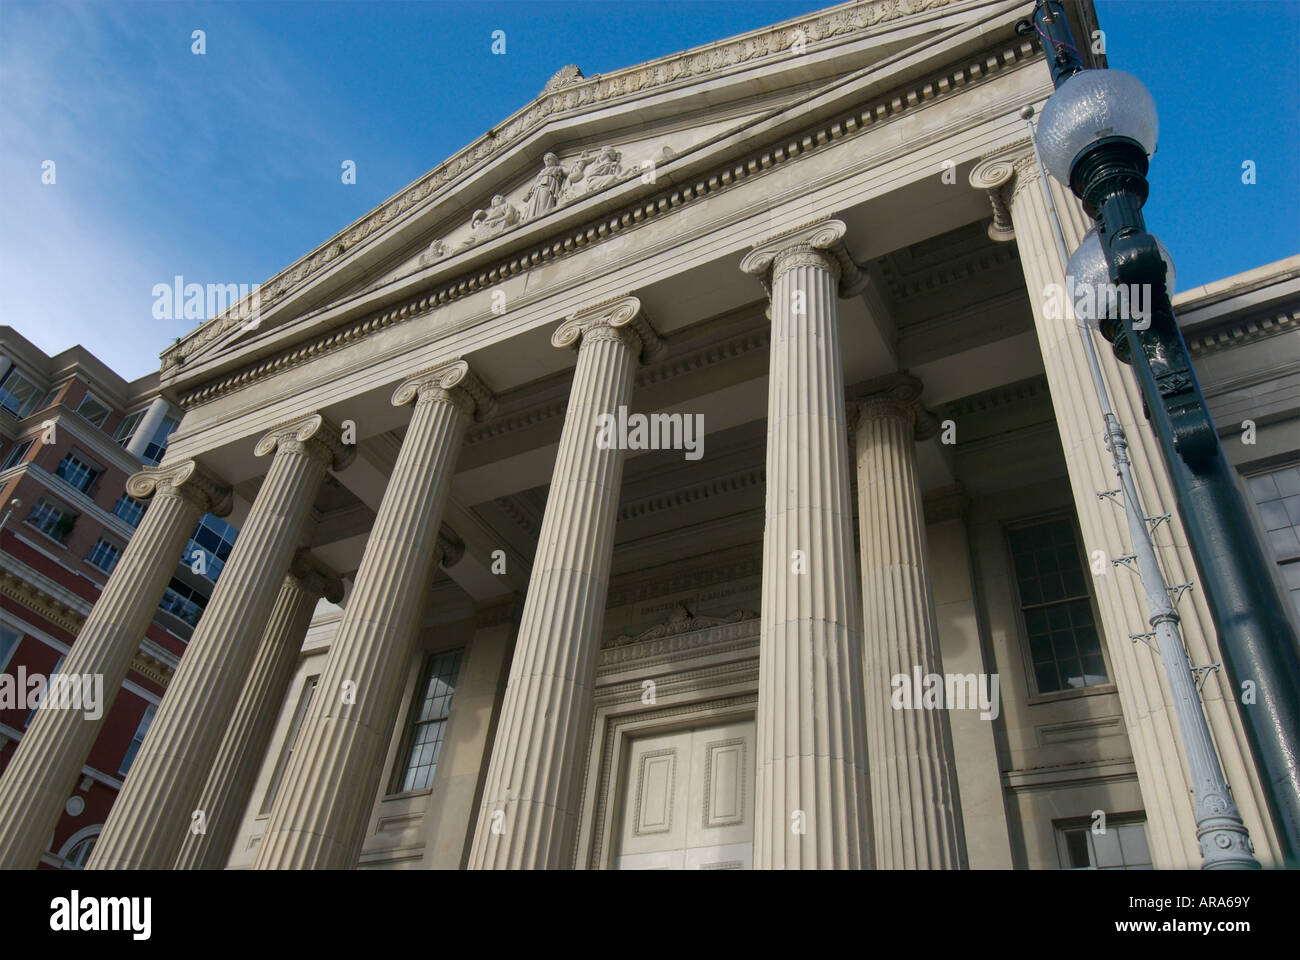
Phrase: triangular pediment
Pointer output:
(606, 136)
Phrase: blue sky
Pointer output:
(226, 167)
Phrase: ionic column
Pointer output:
(529, 807)
(811, 806)
(916, 816)
(49, 758)
(225, 794)
(1139, 676)
(159, 801)
(319, 816)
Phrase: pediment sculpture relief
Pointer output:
(554, 186)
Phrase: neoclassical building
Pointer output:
(803, 272)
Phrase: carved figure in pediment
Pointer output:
(436, 251)
(495, 220)
(600, 171)
(544, 195)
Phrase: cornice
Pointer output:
(571, 92)
(881, 109)
(1238, 331)
(45, 604)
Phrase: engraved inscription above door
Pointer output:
(688, 800)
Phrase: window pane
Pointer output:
(1063, 646)
(429, 721)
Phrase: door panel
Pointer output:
(689, 800)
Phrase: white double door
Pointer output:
(689, 800)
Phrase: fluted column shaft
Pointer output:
(529, 806)
(224, 797)
(319, 816)
(49, 758)
(158, 802)
(916, 817)
(811, 806)
(1139, 676)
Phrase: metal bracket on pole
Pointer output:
(1129, 561)
(1145, 638)
(1113, 496)
(1177, 591)
(1157, 520)
(1200, 673)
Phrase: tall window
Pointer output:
(290, 743)
(9, 640)
(130, 509)
(93, 410)
(126, 429)
(1122, 845)
(138, 738)
(1064, 646)
(77, 473)
(104, 555)
(419, 756)
(18, 395)
(17, 454)
(54, 522)
(1277, 495)
(157, 446)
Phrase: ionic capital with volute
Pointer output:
(311, 436)
(619, 318)
(453, 382)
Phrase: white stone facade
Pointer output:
(676, 661)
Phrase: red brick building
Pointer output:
(71, 432)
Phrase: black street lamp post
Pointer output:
(1096, 134)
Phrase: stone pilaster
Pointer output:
(225, 794)
(319, 816)
(47, 764)
(811, 805)
(529, 807)
(916, 816)
(158, 802)
(1139, 676)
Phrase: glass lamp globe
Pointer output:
(1087, 269)
(1090, 105)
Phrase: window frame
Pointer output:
(1261, 529)
(65, 512)
(125, 431)
(91, 398)
(1034, 695)
(35, 397)
(410, 723)
(117, 555)
(25, 446)
(90, 466)
(1060, 828)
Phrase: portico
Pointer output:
(630, 656)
